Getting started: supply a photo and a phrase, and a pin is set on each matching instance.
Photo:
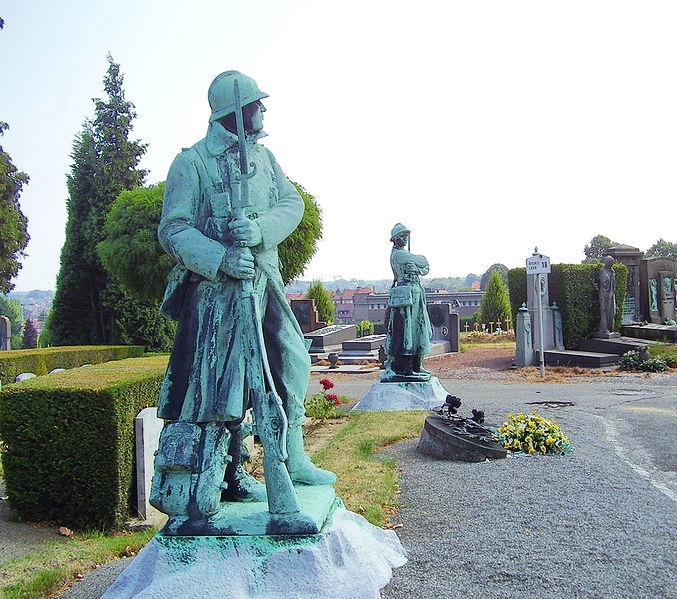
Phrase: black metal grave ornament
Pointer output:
(448, 436)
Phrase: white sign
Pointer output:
(538, 264)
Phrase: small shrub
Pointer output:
(323, 405)
(533, 434)
(631, 360)
(654, 365)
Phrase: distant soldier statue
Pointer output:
(227, 206)
(409, 330)
(607, 297)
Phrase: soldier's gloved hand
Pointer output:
(245, 231)
(238, 264)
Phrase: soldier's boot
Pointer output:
(212, 461)
(301, 469)
(403, 365)
(175, 464)
(418, 365)
(241, 486)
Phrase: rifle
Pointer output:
(269, 414)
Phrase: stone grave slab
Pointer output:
(333, 335)
(364, 343)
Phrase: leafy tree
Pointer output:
(597, 248)
(495, 304)
(297, 250)
(130, 251)
(13, 310)
(501, 268)
(30, 336)
(323, 303)
(470, 279)
(662, 249)
(131, 239)
(13, 224)
(89, 307)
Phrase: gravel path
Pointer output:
(18, 538)
(584, 525)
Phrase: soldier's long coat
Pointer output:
(205, 380)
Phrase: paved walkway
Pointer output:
(599, 523)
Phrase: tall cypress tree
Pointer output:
(88, 306)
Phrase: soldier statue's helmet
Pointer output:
(221, 96)
(398, 231)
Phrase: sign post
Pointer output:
(539, 265)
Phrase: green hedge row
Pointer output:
(575, 288)
(69, 442)
(44, 360)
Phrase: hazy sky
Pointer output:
(486, 127)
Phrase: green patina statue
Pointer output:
(409, 330)
(227, 206)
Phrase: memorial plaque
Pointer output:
(629, 309)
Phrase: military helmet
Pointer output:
(221, 96)
(398, 230)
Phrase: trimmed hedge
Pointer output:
(44, 360)
(69, 442)
(575, 288)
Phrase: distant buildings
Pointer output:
(344, 304)
(355, 305)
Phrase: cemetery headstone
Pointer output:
(445, 323)
(5, 333)
(147, 429)
(306, 314)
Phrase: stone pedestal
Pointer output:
(524, 353)
(385, 397)
(253, 518)
(350, 558)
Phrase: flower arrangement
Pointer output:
(533, 434)
(323, 405)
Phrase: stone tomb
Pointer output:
(356, 351)
(631, 257)
(658, 279)
(324, 338)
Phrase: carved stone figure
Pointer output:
(653, 295)
(607, 296)
(227, 206)
(409, 330)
